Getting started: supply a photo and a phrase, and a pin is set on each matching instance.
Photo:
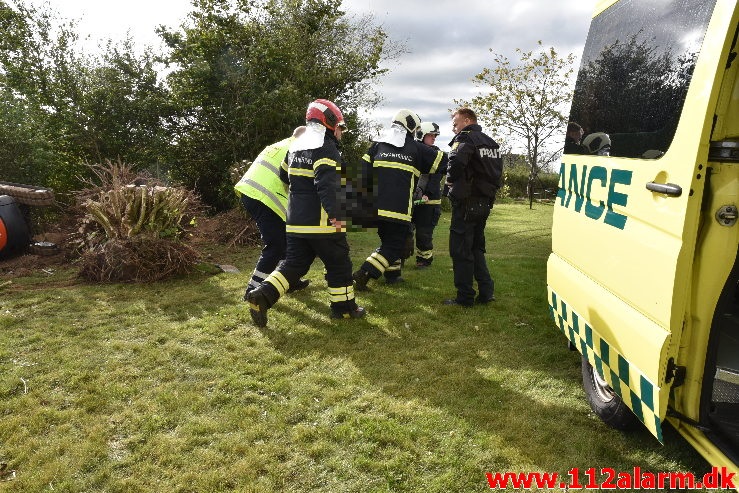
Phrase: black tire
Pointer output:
(604, 402)
(27, 194)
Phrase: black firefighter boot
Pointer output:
(301, 284)
(260, 300)
(361, 278)
(341, 310)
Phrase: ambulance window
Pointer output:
(637, 64)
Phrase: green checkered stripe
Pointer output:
(637, 392)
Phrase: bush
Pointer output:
(516, 181)
(140, 259)
(131, 227)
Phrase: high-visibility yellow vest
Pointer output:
(262, 180)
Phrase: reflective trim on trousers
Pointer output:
(378, 262)
(344, 293)
(257, 278)
(395, 267)
(425, 254)
(279, 281)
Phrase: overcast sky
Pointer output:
(447, 41)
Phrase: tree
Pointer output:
(63, 108)
(125, 107)
(527, 102)
(244, 72)
(35, 65)
(633, 92)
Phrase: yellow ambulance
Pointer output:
(643, 278)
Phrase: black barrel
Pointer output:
(14, 236)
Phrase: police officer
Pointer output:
(427, 201)
(391, 169)
(264, 196)
(315, 222)
(474, 176)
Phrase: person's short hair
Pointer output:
(573, 127)
(467, 113)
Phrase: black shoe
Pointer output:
(422, 264)
(258, 306)
(301, 284)
(394, 280)
(453, 302)
(358, 312)
(361, 278)
(484, 300)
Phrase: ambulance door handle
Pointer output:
(666, 188)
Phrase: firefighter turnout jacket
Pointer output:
(262, 180)
(475, 166)
(392, 171)
(312, 170)
(430, 186)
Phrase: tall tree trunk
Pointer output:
(530, 188)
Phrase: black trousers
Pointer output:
(467, 249)
(387, 258)
(333, 250)
(425, 219)
(272, 230)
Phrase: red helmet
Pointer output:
(326, 113)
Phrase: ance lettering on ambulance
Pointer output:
(580, 183)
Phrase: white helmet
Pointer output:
(598, 143)
(408, 120)
(427, 128)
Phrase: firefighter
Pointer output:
(316, 225)
(598, 143)
(264, 196)
(391, 168)
(427, 201)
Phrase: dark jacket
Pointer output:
(475, 166)
(573, 147)
(314, 178)
(392, 172)
(430, 186)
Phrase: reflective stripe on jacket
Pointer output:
(262, 180)
(393, 173)
(314, 176)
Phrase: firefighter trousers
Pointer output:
(333, 250)
(387, 258)
(425, 219)
(272, 231)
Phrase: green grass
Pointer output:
(168, 387)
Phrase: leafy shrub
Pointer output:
(131, 227)
(516, 181)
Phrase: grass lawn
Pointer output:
(168, 387)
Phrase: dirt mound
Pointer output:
(230, 228)
(27, 264)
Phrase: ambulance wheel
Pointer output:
(604, 402)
